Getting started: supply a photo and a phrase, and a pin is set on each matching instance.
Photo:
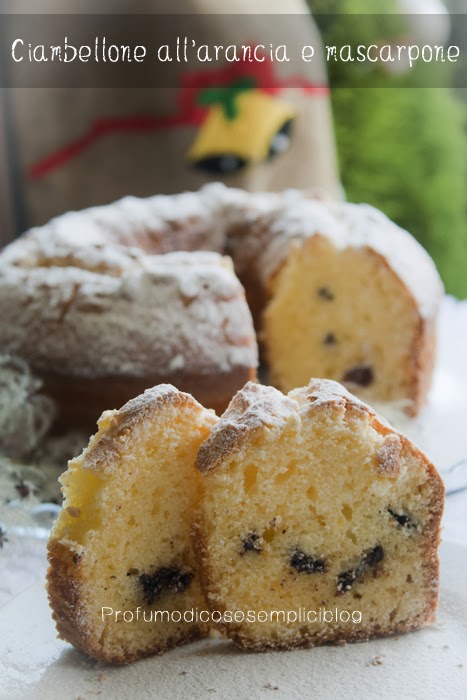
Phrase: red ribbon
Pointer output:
(189, 113)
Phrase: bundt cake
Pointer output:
(122, 543)
(338, 291)
(102, 307)
(101, 324)
(313, 503)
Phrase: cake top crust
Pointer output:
(115, 427)
(348, 225)
(255, 228)
(87, 279)
(193, 301)
(254, 407)
(258, 407)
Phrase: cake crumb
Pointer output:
(376, 661)
(270, 686)
(388, 457)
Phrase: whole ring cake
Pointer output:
(101, 304)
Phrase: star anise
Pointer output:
(3, 537)
(24, 489)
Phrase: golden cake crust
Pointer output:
(64, 588)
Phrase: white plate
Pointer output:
(430, 663)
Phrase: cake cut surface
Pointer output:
(312, 502)
(122, 541)
(353, 298)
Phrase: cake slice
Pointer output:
(313, 503)
(122, 541)
(353, 298)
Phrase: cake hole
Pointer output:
(393, 613)
(347, 511)
(283, 476)
(312, 494)
(269, 534)
(131, 521)
(319, 518)
(250, 476)
(409, 579)
(351, 536)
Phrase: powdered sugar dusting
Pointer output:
(129, 311)
(325, 391)
(158, 224)
(131, 324)
(352, 226)
(253, 408)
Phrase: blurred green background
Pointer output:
(402, 150)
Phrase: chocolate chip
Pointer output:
(370, 560)
(374, 556)
(330, 339)
(3, 537)
(362, 375)
(166, 579)
(326, 294)
(305, 563)
(346, 579)
(251, 543)
(402, 518)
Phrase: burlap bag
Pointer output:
(79, 147)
